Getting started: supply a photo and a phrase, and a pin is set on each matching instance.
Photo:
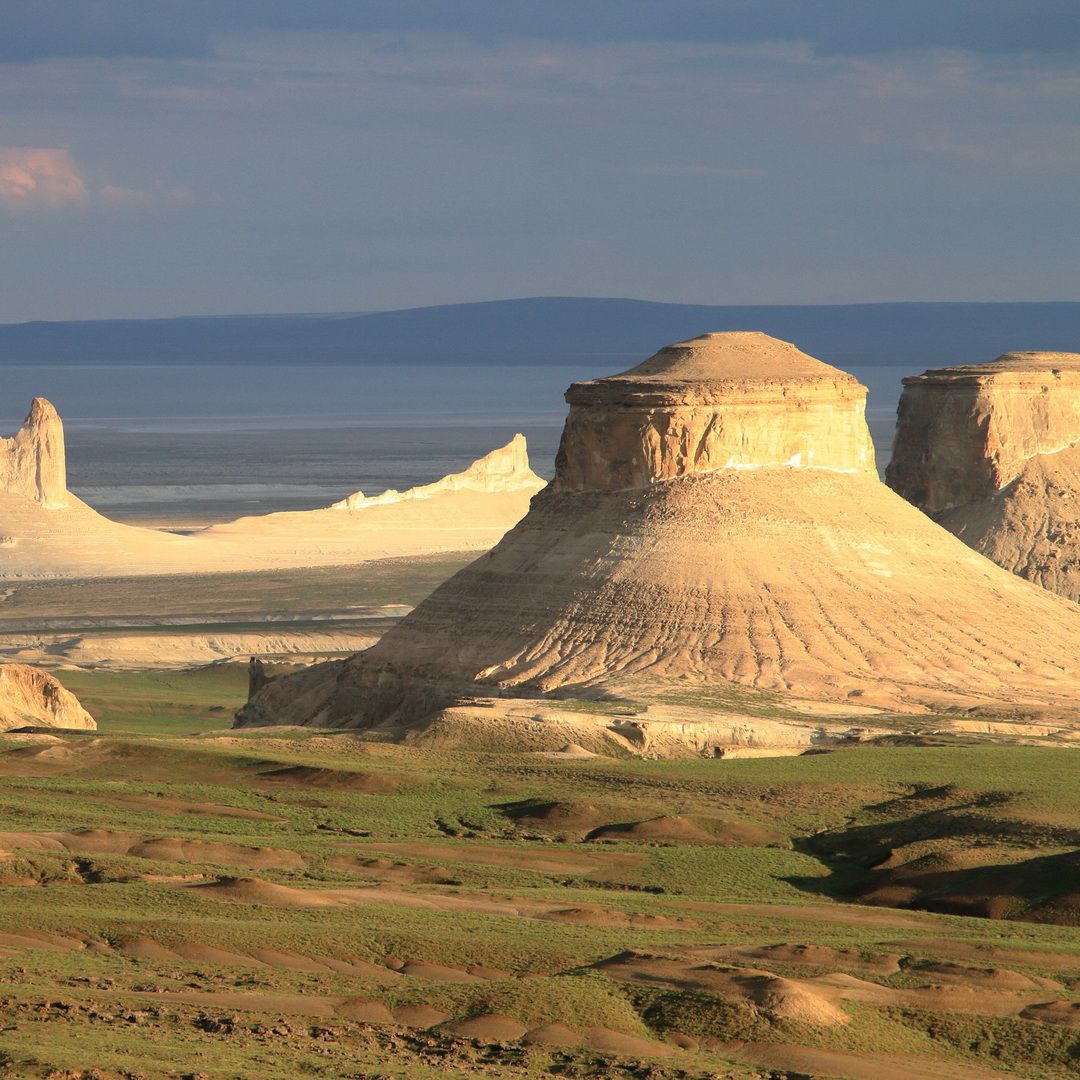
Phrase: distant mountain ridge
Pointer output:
(555, 330)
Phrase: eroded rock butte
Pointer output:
(715, 520)
(992, 453)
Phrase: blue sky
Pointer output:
(162, 157)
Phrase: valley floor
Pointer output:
(179, 899)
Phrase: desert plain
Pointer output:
(723, 761)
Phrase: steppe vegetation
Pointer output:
(179, 899)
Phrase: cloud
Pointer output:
(46, 178)
(39, 178)
(134, 28)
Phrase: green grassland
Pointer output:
(410, 849)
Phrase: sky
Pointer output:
(162, 157)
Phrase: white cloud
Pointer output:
(47, 178)
(39, 178)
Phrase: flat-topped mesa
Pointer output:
(504, 469)
(32, 461)
(690, 541)
(966, 432)
(734, 400)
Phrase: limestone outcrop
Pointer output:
(32, 461)
(712, 523)
(504, 469)
(46, 531)
(696, 408)
(30, 697)
(992, 453)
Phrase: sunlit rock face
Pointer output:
(715, 519)
(992, 453)
(32, 461)
(964, 433)
(720, 401)
(503, 470)
(30, 697)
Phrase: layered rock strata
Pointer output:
(30, 697)
(992, 453)
(715, 519)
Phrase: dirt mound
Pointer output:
(618, 1042)
(176, 849)
(387, 870)
(418, 969)
(552, 1035)
(249, 890)
(310, 776)
(490, 1027)
(419, 1016)
(366, 1011)
(554, 817)
(936, 971)
(681, 830)
(776, 997)
(165, 805)
(164, 849)
(1065, 1013)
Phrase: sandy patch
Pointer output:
(251, 890)
(490, 1027)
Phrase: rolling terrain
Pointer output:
(179, 899)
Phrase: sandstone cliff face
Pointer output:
(650, 566)
(30, 697)
(685, 413)
(32, 461)
(963, 433)
(504, 469)
(992, 453)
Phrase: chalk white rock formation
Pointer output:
(45, 531)
(30, 697)
(504, 469)
(32, 461)
(992, 453)
(713, 522)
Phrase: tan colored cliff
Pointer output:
(30, 697)
(766, 555)
(686, 412)
(992, 453)
(32, 461)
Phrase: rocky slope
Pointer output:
(992, 453)
(715, 520)
(30, 697)
(45, 531)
